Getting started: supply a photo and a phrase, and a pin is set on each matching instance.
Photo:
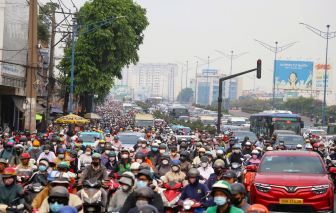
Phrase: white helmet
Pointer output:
(255, 152)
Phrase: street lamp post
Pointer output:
(327, 36)
(74, 34)
(276, 50)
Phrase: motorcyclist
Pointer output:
(221, 193)
(105, 155)
(112, 161)
(67, 151)
(163, 167)
(174, 155)
(75, 164)
(201, 153)
(25, 165)
(143, 196)
(8, 150)
(3, 165)
(282, 143)
(257, 208)
(60, 156)
(126, 183)
(309, 147)
(157, 159)
(14, 159)
(260, 142)
(140, 157)
(101, 146)
(219, 168)
(36, 151)
(238, 195)
(331, 159)
(230, 176)
(185, 164)
(248, 148)
(9, 191)
(59, 196)
(40, 176)
(46, 154)
(153, 152)
(236, 155)
(108, 136)
(254, 160)
(316, 149)
(123, 164)
(116, 143)
(195, 189)
(323, 150)
(175, 174)
(205, 169)
(299, 147)
(145, 179)
(95, 171)
(228, 149)
(195, 153)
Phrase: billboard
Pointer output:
(120, 91)
(294, 75)
(319, 77)
(209, 71)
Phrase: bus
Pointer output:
(176, 112)
(153, 101)
(143, 120)
(266, 123)
(127, 106)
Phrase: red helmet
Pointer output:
(144, 151)
(25, 156)
(257, 208)
(32, 136)
(45, 135)
(315, 145)
(8, 172)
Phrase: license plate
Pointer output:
(291, 201)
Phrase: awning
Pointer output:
(92, 116)
(55, 110)
(39, 109)
(18, 101)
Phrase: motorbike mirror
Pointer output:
(78, 208)
(208, 194)
(21, 194)
(332, 170)
(242, 159)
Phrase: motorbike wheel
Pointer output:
(248, 197)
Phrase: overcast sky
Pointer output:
(179, 30)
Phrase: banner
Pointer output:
(319, 77)
(294, 75)
(120, 91)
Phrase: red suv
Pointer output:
(292, 181)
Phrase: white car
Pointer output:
(319, 132)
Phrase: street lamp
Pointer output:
(276, 50)
(77, 33)
(327, 36)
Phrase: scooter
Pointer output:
(189, 205)
(236, 167)
(170, 194)
(249, 175)
(91, 196)
(32, 191)
(113, 185)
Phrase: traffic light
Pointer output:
(259, 69)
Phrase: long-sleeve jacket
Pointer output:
(118, 199)
(91, 173)
(130, 203)
(74, 201)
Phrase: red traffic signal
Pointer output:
(259, 69)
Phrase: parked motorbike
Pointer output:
(170, 194)
(91, 196)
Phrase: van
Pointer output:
(206, 120)
(236, 121)
(143, 120)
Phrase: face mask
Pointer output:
(35, 148)
(131, 154)
(144, 145)
(175, 168)
(88, 153)
(95, 163)
(139, 160)
(102, 145)
(164, 162)
(173, 153)
(236, 201)
(254, 156)
(204, 165)
(112, 158)
(42, 168)
(220, 201)
(139, 144)
(140, 203)
(9, 149)
(201, 155)
(162, 151)
(141, 183)
(77, 149)
(71, 159)
(46, 151)
(68, 150)
(107, 151)
(197, 148)
(154, 149)
(125, 156)
(125, 188)
(54, 143)
(9, 181)
(236, 151)
(218, 172)
(281, 144)
(61, 156)
(54, 207)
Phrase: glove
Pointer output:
(11, 208)
(19, 207)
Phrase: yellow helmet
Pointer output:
(102, 141)
(121, 129)
(93, 128)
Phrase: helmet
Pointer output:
(73, 154)
(237, 188)
(321, 144)
(173, 148)
(117, 137)
(230, 174)
(144, 192)
(175, 163)
(204, 159)
(201, 150)
(184, 153)
(208, 153)
(60, 150)
(248, 143)
(219, 151)
(309, 146)
(236, 146)
(135, 167)
(269, 148)
(299, 146)
(183, 145)
(162, 146)
(315, 145)
(257, 208)
(108, 147)
(61, 177)
(96, 156)
(146, 209)
(144, 166)
(140, 155)
(165, 156)
(125, 150)
(155, 145)
(45, 135)
(63, 165)
(59, 191)
(25, 156)
(107, 131)
(52, 175)
(218, 164)
(332, 148)
(8, 173)
(147, 173)
(127, 178)
(193, 172)
(67, 209)
(112, 154)
(36, 143)
(222, 186)
(254, 152)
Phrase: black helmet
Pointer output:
(173, 148)
(184, 153)
(73, 154)
(108, 147)
(80, 141)
(59, 192)
(147, 209)
(140, 155)
(46, 147)
(237, 188)
(68, 146)
(230, 174)
(198, 144)
(147, 173)
(219, 164)
(204, 159)
(162, 146)
(144, 192)
(144, 166)
(183, 145)
(246, 138)
(165, 156)
(193, 172)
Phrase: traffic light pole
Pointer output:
(220, 92)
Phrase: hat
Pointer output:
(45, 162)
(77, 145)
(126, 180)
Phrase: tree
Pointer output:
(185, 95)
(43, 28)
(101, 53)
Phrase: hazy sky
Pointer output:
(182, 29)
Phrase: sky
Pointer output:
(179, 30)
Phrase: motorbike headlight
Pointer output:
(320, 189)
(187, 204)
(265, 188)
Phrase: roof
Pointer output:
(278, 115)
(130, 133)
(289, 135)
(291, 153)
(332, 124)
(143, 117)
(209, 118)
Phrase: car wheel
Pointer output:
(248, 197)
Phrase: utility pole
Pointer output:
(196, 84)
(51, 64)
(186, 83)
(173, 84)
(30, 112)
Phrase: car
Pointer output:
(129, 139)
(185, 118)
(292, 181)
(319, 132)
(193, 119)
(290, 140)
(242, 134)
(282, 132)
(88, 137)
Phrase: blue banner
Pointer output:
(209, 71)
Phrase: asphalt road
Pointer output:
(305, 119)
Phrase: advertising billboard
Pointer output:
(120, 91)
(319, 77)
(209, 71)
(294, 75)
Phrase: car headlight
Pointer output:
(187, 204)
(265, 188)
(320, 189)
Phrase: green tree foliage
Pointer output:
(185, 95)
(43, 28)
(101, 53)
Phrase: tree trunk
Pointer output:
(88, 102)
(66, 100)
(81, 101)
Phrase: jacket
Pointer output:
(122, 166)
(195, 191)
(5, 154)
(91, 173)
(35, 155)
(118, 199)
(185, 166)
(161, 170)
(130, 203)
(37, 202)
(175, 176)
(146, 161)
(58, 160)
(74, 201)
(212, 180)
(8, 194)
(84, 158)
(232, 209)
(152, 154)
(156, 160)
(50, 156)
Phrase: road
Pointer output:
(305, 119)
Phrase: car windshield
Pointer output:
(241, 135)
(206, 122)
(237, 123)
(87, 137)
(129, 139)
(317, 132)
(143, 123)
(290, 140)
(184, 117)
(292, 164)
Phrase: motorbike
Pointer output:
(32, 191)
(236, 167)
(11, 207)
(249, 175)
(170, 194)
(91, 196)
(189, 205)
(113, 185)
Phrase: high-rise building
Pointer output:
(127, 77)
(236, 88)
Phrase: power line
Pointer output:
(64, 4)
